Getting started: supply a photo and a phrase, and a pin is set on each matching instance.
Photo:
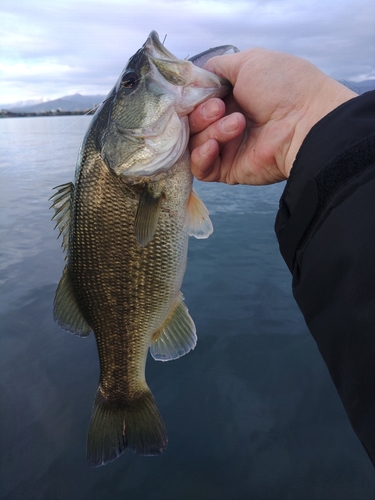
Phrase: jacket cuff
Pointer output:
(336, 149)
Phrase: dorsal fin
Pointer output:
(62, 204)
(147, 216)
(198, 220)
(177, 336)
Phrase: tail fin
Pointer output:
(115, 426)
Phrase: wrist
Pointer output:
(331, 95)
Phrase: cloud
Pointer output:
(50, 49)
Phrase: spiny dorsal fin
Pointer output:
(147, 216)
(176, 337)
(66, 310)
(62, 204)
(198, 221)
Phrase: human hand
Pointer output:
(254, 137)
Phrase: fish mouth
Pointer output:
(193, 83)
(165, 89)
(154, 47)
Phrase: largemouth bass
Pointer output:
(125, 224)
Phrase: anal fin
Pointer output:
(176, 337)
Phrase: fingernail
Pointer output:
(210, 109)
(205, 148)
(229, 124)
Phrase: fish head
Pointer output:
(143, 122)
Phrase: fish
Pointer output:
(125, 223)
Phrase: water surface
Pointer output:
(251, 413)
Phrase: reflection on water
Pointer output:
(251, 413)
(240, 199)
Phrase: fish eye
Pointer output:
(130, 81)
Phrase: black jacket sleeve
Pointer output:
(326, 231)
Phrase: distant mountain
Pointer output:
(360, 87)
(76, 102)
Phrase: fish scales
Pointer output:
(125, 224)
(112, 272)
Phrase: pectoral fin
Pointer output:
(176, 337)
(197, 218)
(66, 310)
(147, 216)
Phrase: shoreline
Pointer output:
(11, 114)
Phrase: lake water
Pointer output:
(251, 413)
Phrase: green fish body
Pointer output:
(125, 224)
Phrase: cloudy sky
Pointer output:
(53, 48)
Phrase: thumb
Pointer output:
(226, 66)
